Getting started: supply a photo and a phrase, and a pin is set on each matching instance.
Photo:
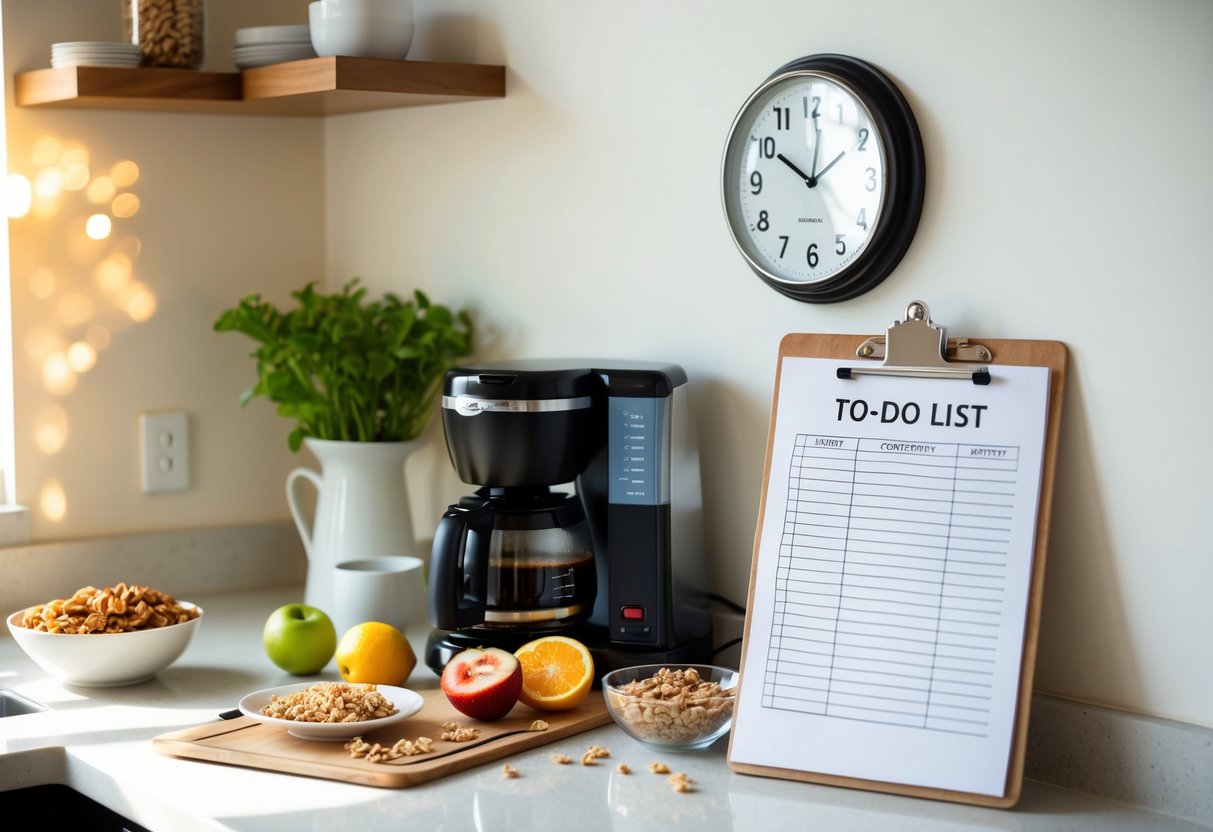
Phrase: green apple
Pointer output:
(299, 639)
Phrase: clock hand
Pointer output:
(816, 147)
(832, 164)
(811, 181)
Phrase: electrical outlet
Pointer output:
(164, 451)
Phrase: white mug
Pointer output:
(388, 589)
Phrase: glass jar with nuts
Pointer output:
(169, 33)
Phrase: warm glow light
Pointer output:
(48, 184)
(125, 205)
(58, 375)
(129, 246)
(74, 156)
(75, 309)
(42, 283)
(98, 336)
(18, 196)
(50, 430)
(100, 190)
(139, 302)
(53, 501)
(125, 174)
(46, 151)
(40, 342)
(98, 227)
(45, 207)
(81, 356)
(75, 177)
(113, 272)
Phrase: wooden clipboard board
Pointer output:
(931, 354)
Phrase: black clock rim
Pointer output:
(905, 172)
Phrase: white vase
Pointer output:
(362, 508)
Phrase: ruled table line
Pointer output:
(890, 576)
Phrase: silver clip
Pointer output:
(919, 348)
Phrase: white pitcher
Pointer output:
(362, 510)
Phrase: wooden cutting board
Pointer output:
(246, 742)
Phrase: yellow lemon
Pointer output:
(557, 673)
(374, 653)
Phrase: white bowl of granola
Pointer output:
(331, 711)
(119, 635)
(674, 707)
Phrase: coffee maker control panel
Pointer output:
(638, 440)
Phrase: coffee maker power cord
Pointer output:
(735, 607)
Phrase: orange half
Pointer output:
(557, 673)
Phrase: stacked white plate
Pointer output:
(262, 45)
(94, 53)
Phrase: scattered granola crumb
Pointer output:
(458, 732)
(508, 772)
(681, 783)
(539, 725)
(658, 767)
(562, 759)
(622, 768)
(594, 752)
(376, 753)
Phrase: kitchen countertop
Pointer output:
(98, 741)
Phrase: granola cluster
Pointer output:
(376, 753)
(673, 706)
(122, 608)
(331, 702)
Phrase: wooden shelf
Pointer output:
(316, 86)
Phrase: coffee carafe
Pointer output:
(513, 558)
(586, 515)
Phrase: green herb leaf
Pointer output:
(347, 368)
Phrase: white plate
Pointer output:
(56, 63)
(274, 34)
(102, 45)
(407, 703)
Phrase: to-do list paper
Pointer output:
(893, 572)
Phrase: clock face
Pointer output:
(804, 178)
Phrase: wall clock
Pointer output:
(823, 178)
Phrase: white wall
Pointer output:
(1068, 199)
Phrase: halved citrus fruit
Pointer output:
(557, 673)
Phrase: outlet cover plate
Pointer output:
(164, 458)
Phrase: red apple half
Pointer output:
(483, 682)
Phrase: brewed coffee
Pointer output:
(523, 584)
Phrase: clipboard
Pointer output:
(869, 736)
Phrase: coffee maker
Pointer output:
(617, 560)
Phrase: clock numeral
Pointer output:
(863, 138)
(840, 114)
(862, 220)
(766, 147)
(783, 118)
(756, 183)
(816, 114)
(764, 222)
(784, 247)
(840, 247)
(812, 256)
(871, 186)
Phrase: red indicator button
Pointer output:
(632, 613)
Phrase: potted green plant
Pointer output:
(348, 369)
(359, 378)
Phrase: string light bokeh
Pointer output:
(91, 200)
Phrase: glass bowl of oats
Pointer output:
(672, 707)
(116, 635)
